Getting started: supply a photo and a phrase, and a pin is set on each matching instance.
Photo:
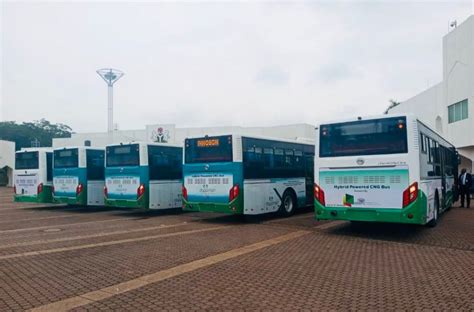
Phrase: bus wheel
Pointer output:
(434, 221)
(288, 204)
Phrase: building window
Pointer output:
(458, 111)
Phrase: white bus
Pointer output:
(143, 175)
(78, 176)
(33, 175)
(391, 168)
(247, 175)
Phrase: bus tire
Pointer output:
(433, 222)
(288, 203)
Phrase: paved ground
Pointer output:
(57, 257)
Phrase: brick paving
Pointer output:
(339, 266)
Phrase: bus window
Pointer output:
(66, 158)
(366, 137)
(95, 165)
(209, 149)
(429, 145)
(279, 158)
(123, 155)
(165, 162)
(423, 144)
(268, 159)
(289, 158)
(26, 160)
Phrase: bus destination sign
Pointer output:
(208, 142)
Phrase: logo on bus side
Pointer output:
(206, 167)
(360, 161)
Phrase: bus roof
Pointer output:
(145, 143)
(370, 117)
(80, 148)
(303, 141)
(35, 149)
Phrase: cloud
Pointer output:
(206, 64)
(272, 75)
(333, 73)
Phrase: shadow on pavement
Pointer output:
(383, 231)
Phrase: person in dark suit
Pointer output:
(465, 182)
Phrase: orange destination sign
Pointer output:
(208, 142)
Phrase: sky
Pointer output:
(217, 63)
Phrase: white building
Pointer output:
(171, 134)
(7, 161)
(448, 107)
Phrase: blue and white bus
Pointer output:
(33, 175)
(390, 168)
(78, 176)
(247, 175)
(143, 175)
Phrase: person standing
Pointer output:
(465, 182)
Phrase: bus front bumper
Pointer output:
(234, 207)
(414, 213)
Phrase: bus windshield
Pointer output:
(123, 155)
(66, 158)
(208, 149)
(365, 137)
(26, 160)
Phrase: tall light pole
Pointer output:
(110, 76)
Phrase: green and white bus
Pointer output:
(391, 168)
(143, 175)
(33, 175)
(78, 176)
(246, 175)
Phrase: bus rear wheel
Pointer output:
(288, 204)
(433, 222)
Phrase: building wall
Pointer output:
(7, 158)
(458, 79)
(431, 106)
(428, 106)
(298, 131)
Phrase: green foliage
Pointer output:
(42, 130)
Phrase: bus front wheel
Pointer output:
(288, 203)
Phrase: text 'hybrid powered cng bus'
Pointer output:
(143, 175)
(33, 175)
(388, 169)
(78, 176)
(247, 175)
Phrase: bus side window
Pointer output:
(430, 151)
(49, 166)
(423, 143)
(279, 160)
(299, 164)
(289, 158)
(268, 159)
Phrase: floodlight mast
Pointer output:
(110, 76)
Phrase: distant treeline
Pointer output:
(39, 132)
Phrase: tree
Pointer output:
(25, 133)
